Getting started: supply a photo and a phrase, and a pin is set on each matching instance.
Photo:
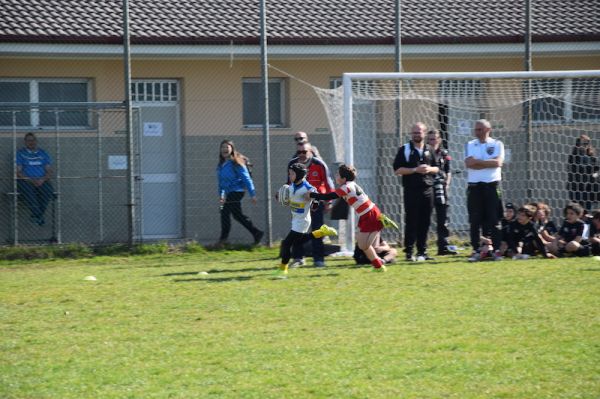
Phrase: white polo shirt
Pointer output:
(491, 149)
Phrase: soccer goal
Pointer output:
(538, 115)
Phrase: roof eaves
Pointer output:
(176, 40)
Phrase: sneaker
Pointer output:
(319, 263)
(423, 257)
(258, 237)
(381, 269)
(446, 251)
(297, 263)
(496, 256)
(410, 258)
(221, 244)
(475, 256)
(521, 257)
(325, 230)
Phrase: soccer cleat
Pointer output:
(387, 222)
(297, 263)
(410, 258)
(325, 231)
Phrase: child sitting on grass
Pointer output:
(545, 227)
(300, 207)
(523, 238)
(595, 233)
(570, 236)
(371, 221)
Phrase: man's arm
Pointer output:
(477, 164)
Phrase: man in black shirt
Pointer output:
(416, 163)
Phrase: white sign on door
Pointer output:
(153, 129)
(117, 162)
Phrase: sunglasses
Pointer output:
(300, 138)
(302, 152)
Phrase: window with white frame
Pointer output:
(252, 102)
(44, 91)
(565, 100)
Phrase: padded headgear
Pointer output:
(300, 171)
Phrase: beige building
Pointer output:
(193, 87)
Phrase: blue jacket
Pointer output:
(234, 178)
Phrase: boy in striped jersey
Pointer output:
(300, 207)
(371, 220)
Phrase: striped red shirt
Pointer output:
(355, 197)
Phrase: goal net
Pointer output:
(539, 116)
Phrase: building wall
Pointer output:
(211, 110)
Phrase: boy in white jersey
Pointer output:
(371, 220)
(300, 207)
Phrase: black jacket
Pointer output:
(415, 180)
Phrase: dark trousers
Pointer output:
(37, 198)
(318, 248)
(233, 207)
(418, 205)
(483, 204)
(293, 239)
(441, 216)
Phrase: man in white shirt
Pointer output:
(484, 157)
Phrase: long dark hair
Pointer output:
(589, 150)
(236, 156)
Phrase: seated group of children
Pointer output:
(528, 231)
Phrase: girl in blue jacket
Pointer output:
(234, 179)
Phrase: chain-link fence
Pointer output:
(86, 197)
(66, 180)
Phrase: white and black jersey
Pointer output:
(491, 149)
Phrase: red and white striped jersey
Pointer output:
(354, 195)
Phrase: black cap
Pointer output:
(509, 205)
(299, 169)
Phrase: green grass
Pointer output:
(152, 327)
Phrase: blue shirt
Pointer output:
(234, 178)
(33, 163)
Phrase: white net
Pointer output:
(539, 119)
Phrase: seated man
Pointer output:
(382, 249)
(33, 174)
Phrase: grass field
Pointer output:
(153, 327)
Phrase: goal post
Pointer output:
(538, 115)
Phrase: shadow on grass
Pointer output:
(216, 271)
(209, 279)
(215, 280)
(591, 269)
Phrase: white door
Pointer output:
(159, 160)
